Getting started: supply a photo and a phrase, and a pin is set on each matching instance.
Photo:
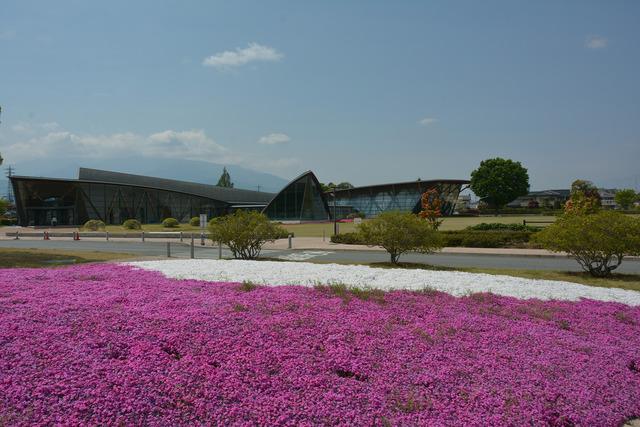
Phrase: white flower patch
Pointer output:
(273, 273)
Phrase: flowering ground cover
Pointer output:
(108, 344)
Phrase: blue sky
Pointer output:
(361, 91)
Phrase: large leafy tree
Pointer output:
(225, 179)
(499, 181)
(625, 198)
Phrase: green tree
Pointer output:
(244, 232)
(625, 198)
(598, 241)
(399, 232)
(499, 181)
(225, 179)
(4, 205)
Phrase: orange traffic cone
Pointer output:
(46, 235)
(76, 235)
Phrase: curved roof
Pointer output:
(229, 195)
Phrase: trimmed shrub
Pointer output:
(132, 224)
(348, 238)
(399, 232)
(486, 239)
(93, 225)
(244, 232)
(598, 241)
(195, 221)
(496, 226)
(170, 223)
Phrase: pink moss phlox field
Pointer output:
(104, 344)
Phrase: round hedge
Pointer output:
(93, 225)
(132, 224)
(170, 223)
(195, 221)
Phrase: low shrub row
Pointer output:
(496, 226)
(487, 239)
(462, 238)
(521, 211)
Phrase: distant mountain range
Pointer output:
(186, 170)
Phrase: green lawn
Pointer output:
(450, 223)
(19, 258)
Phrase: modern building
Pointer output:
(402, 196)
(114, 197)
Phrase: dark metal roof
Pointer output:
(229, 195)
(406, 184)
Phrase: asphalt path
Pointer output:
(182, 250)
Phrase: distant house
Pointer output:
(543, 199)
(557, 198)
(608, 198)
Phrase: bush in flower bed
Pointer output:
(104, 345)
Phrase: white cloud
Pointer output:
(254, 52)
(27, 141)
(595, 42)
(51, 141)
(428, 121)
(274, 138)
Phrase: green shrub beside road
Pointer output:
(195, 221)
(170, 223)
(598, 241)
(460, 238)
(94, 225)
(132, 224)
(244, 232)
(399, 232)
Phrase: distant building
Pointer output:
(464, 202)
(555, 199)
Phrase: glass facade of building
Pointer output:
(301, 200)
(115, 197)
(404, 197)
(73, 202)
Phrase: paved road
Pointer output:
(157, 249)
